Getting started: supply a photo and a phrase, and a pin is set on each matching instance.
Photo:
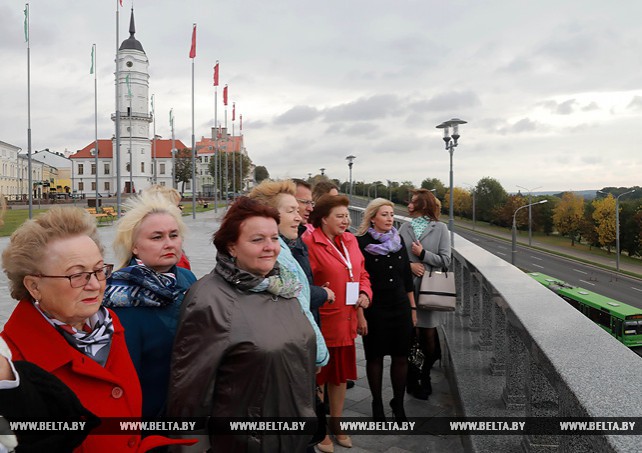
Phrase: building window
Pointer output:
(81, 169)
(106, 169)
(93, 185)
(142, 150)
(162, 183)
(162, 169)
(107, 186)
(142, 167)
(81, 186)
(93, 169)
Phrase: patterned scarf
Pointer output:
(419, 225)
(389, 242)
(138, 285)
(94, 343)
(280, 281)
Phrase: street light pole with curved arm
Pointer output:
(530, 216)
(514, 242)
(617, 227)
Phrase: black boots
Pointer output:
(378, 414)
(397, 410)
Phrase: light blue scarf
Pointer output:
(287, 261)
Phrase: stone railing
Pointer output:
(515, 349)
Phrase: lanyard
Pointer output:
(346, 258)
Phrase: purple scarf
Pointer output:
(389, 242)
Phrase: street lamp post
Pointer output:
(350, 160)
(530, 217)
(451, 144)
(514, 242)
(617, 227)
(473, 190)
(322, 171)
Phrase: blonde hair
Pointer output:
(28, 244)
(170, 193)
(268, 191)
(138, 208)
(370, 212)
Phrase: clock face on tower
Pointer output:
(129, 64)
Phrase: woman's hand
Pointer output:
(417, 248)
(414, 318)
(330, 294)
(363, 301)
(417, 269)
(362, 324)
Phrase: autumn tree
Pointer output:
(261, 173)
(462, 201)
(434, 183)
(183, 167)
(490, 195)
(503, 214)
(568, 215)
(604, 216)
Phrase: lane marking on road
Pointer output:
(581, 272)
(637, 289)
(500, 253)
(588, 283)
(537, 265)
(537, 258)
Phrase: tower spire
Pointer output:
(132, 26)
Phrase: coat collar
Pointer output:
(30, 332)
(321, 239)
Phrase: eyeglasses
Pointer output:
(82, 278)
(306, 202)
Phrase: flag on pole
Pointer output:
(216, 74)
(225, 95)
(26, 22)
(121, 2)
(241, 120)
(233, 111)
(192, 51)
(152, 104)
(171, 118)
(93, 48)
(129, 86)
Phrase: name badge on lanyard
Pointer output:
(352, 287)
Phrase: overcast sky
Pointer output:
(551, 90)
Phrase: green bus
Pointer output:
(622, 321)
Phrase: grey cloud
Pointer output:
(566, 107)
(523, 125)
(365, 129)
(635, 104)
(296, 115)
(455, 100)
(518, 65)
(592, 160)
(374, 107)
(590, 107)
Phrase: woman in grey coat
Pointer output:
(428, 245)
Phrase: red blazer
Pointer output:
(338, 320)
(110, 391)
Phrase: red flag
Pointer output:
(233, 111)
(121, 2)
(216, 74)
(192, 51)
(241, 119)
(225, 95)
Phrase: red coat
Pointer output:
(109, 391)
(338, 320)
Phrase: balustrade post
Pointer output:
(498, 361)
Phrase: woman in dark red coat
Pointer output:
(335, 258)
(56, 270)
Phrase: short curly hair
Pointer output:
(324, 205)
(28, 244)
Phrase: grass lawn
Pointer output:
(13, 218)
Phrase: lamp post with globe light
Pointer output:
(451, 144)
(350, 160)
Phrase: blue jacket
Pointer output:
(149, 334)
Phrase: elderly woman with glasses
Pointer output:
(56, 271)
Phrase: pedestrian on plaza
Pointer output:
(428, 247)
(174, 196)
(335, 258)
(244, 346)
(147, 290)
(57, 272)
(391, 316)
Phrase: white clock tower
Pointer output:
(135, 117)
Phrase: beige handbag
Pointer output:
(437, 291)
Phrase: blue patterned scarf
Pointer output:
(139, 286)
(419, 225)
(389, 242)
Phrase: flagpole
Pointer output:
(171, 123)
(241, 150)
(193, 56)
(216, 147)
(227, 151)
(154, 177)
(117, 150)
(95, 119)
(29, 111)
(233, 157)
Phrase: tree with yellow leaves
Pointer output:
(568, 214)
(604, 216)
